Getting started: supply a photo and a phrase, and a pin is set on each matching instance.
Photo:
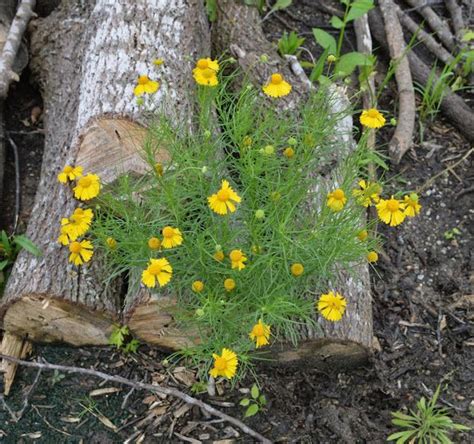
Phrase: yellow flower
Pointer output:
(145, 86)
(336, 200)
(159, 169)
(224, 365)
(111, 243)
(372, 257)
(64, 236)
(247, 141)
(368, 193)
(332, 306)
(158, 270)
(331, 58)
(297, 269)
(154, 243)
(172, 237)
(198, 286)
(289, 152)
(69, 173)
(237, 258)
(412, 206)
(87, 187)
(224, 199)
(158, 62)
(372, 118)
(78, 223)
(229, 284)
(219, 256)
(277, 86)
(260, 334)
(391, 211)
(205, 72)
(362, 235)
(80, 252)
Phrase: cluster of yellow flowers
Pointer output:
(390, 211)
(78, 223)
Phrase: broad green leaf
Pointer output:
(281, 4)
(336, 22)
(252, 410)
(325, 40)
(262, 400)
(245, 402)
(27, 245)
(468, 36)
(358, 9)
(254, 391)
(347, 63)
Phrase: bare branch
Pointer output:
(164, 390)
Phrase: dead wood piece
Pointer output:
(436, 23)
(18, 347)
(161, 389)
(436, 48)
(401, 140)
(12, 44)
(456, 18)
(452, 105)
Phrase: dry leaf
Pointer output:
(185, 376)
(107, 422)
(71, 419)
(150, 399)
(32, 435)
(104, 391)
(35, 114)
(182, 410)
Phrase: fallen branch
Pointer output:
(12, 44)
(435, 47)
(401, 140)
(436, 23)
(163, 390)
(455, 11)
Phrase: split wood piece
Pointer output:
(91, 117)
(452, 106)
(455, 11)
(436, 48)
(12, 45)
(436, 23)
(12, 345)
(402, 138)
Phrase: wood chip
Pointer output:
(185, 376)
(150, 399)
(182, 410)
(187, 439)
(104, 391)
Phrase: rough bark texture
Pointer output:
(452, 105)
(402, 138)
(100, 48)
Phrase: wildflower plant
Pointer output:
(239, 225)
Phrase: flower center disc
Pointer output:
(142, 80)
(392, 205)
(68, 169)
(155, 269)
(202, 64)
(373, 113)
(223, 195)
(75, 247)
(338, 194)
(220, 363)
(168, 232)
(84, 182)
(235, 256)
(277, 79)
(258, 330)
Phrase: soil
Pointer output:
(423, 302)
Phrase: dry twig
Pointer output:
(12, 44)
(455, 11)
(402, 138)
(164, 390)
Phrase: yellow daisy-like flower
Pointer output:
(154, 243)
(78, 223)
(197, 286)
(237, 259)
(111, 243)
(391, 211)
(87, 187)
(64, 236)
(172, 237)
(205, 72)
(219, 256)
(297, 269)
(69, 173)
(277, 86)
(80, 252)
(260, 334)
(229, 284)
(158, 270)
(372, 118)
(336, 200)
(224, 365)
(372, 256)
(289, 152)
(332, 306)
(145, 86)
(412, 206)
(362, 235)
(368, 193)
(223, 200)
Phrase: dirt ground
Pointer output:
(423, 299)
